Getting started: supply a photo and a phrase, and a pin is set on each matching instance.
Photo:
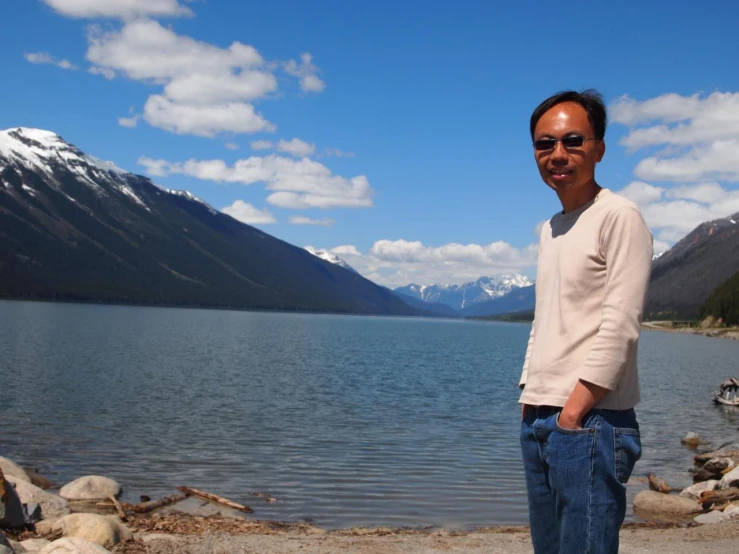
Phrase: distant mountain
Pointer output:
(330, 258)
(462, 296)
(685, 276)
(75, 228)
(518, 300)
(431, 307)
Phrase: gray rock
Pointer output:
(5, 546)
(11, 469)
(656, 502)
(52, 506)
(32, 546)
(103, 530)
(714, 469)
(730, 479)
(711, 517)
(12, 514)
(694, 491)
(73, 545)
(90, 487)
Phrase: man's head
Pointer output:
(567, 130)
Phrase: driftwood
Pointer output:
(727, 393)
(215, 498)
(146, 507)
(118, 508)
(709, 498)
(657, 484)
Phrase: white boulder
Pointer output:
(103, 530)
(656, 502)
(11, 469)
(73, 545)
(694, 491)
(89, 488)
(729, 480)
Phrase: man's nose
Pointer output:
(559, 154)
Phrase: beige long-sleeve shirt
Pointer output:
(591, 284)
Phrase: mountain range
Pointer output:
(465, 295)
(76, 228)
(79, 229)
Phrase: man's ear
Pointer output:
(601, 149)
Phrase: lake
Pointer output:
(345, 420)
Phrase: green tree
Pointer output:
(724, 302)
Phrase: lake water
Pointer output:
(345, 420)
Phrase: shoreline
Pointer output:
(731, 333)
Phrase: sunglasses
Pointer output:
(570, 141)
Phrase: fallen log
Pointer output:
(146, 507)
(657, 484)
(215, 498)
(118, 508)
(709, 498)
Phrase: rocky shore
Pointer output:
(86, 516)
(707, 328)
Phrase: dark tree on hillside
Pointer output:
(724, 302)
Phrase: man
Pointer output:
(579, 434)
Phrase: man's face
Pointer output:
(567, 169)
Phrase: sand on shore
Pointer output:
(716, 538)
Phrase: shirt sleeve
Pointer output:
(627, 247)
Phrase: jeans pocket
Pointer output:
(585, 427)
(628, 451)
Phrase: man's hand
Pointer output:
(582, 399)
(524, 411)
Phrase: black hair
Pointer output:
(590, 99)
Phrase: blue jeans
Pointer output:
(575, 479)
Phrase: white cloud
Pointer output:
(155, 168)
(297, 184)
(232, 146)
(641, 193)
(718, 160)
(305, 71)
(107, 73)
(673, 213)
(296, 147)
(204, 89)
(396, 263)
(701, 135)
(336, 152)
(204, 120)
(123, 9)
(303, 220)
(246, 213)
(128, 121)
(262, 145)
(46, 58)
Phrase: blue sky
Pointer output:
(413, 150)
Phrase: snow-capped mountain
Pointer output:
(74, 227)
(330, 257)
(45, 152)
(467, 294)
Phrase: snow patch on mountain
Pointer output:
(330, 257)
